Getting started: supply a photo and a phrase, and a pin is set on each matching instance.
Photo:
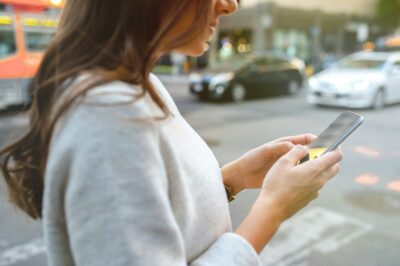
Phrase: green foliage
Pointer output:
(389, 13)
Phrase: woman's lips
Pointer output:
(212, 29)
(213, 26)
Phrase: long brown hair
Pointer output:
(121, 39)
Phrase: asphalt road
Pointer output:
(355, 221)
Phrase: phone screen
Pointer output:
(334, 135)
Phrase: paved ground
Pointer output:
(354, 222)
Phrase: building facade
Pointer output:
(308, 29)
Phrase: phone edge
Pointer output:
(344, 137)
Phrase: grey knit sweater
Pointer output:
(120, 191)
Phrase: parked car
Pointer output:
(361, 80)
(270, 74)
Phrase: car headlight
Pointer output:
(195, 77)
(221, 79)
(228, 76)
(224, 77)
(298, 64)
(361, 85)
(313, 82)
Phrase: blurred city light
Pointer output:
(367, 179)
(56, 2)
(371, 152)
(395, 185)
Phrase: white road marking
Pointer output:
(22, 252)
(316, 230)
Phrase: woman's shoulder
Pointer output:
(118, 95)
(121, 95)
(113, 97)
(106, 109)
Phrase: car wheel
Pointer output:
(379, 101)
(238, 93)
(293, 88)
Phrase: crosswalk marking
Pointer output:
(22, 252)
(316, 230)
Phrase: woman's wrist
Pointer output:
(261, 224)
(274, 207)
(233, 177)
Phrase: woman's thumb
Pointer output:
(294, 155)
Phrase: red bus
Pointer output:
(26, 28)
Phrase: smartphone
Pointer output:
(334, 135)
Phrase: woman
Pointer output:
(123, 179)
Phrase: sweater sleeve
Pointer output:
(116, 200)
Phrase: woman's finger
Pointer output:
(303, 139)
(276, 150)
(293, 156)
(321, 164)
(331, 172)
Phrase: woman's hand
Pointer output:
(291, 187)
(287, 188)
(250, 170)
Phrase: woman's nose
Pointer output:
(226, 7)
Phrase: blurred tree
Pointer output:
(389, 13)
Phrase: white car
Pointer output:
(361, 80)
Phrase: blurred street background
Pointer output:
(275, 68)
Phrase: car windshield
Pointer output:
(37, 41)
(361, 63)
(8, 44)
(38, 32)
(229, 65)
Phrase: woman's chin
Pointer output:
(197, 50)
(206, 47)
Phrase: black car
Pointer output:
(262, 76)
